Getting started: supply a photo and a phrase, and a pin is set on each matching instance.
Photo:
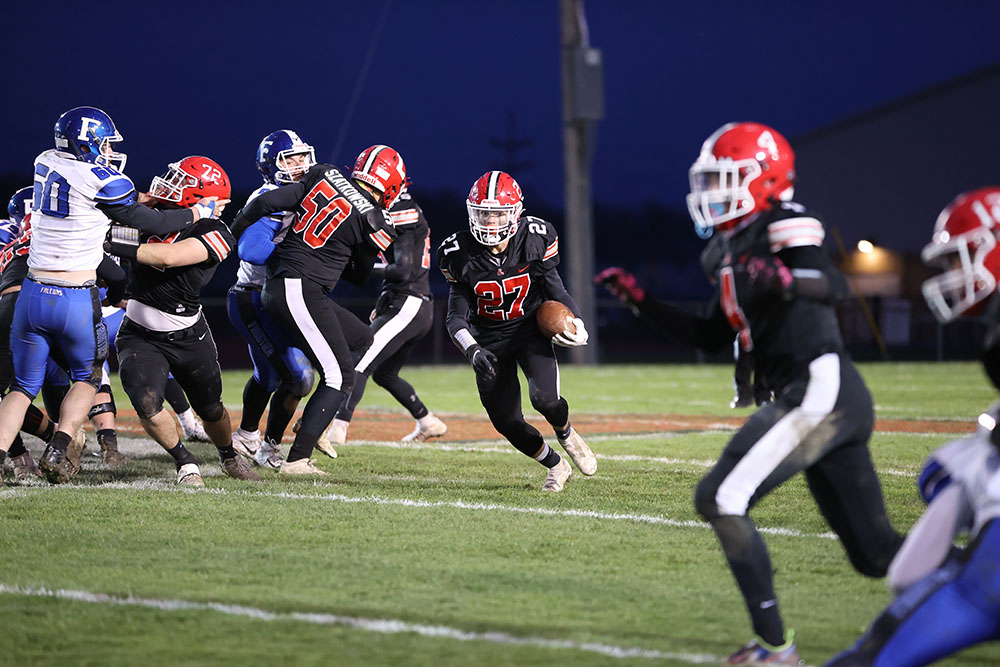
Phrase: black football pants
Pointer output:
(501, 396)
(326, 332)
(819, 424)
(401, 321)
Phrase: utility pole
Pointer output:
(512, 145)
(582, 107)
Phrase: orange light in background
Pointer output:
(866, 247)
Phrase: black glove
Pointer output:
(483, 361)
(122, 242)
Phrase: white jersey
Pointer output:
(255, 274)
(68, 229)
(974, 463)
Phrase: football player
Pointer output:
(281, 372)
(499, 272)
(164, 330)
(78, 188)
(776, 290)
(341, 224)
(403, 314)
(950, 599)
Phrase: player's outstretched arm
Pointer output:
(285, 198)
(257, 243)
(711, 333)
(150, 220)
(171, 255)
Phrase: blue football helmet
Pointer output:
(273, 152)
(87, 133)
(20, 204)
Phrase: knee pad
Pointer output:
(303, 383)
(552, 409)
(212, 412)
(148, 404)
(704, 500)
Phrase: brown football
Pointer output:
(553, 317)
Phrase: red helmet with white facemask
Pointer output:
(743, 169)
(495, 203)
(964, 244)
(382, 168)
(190, 180)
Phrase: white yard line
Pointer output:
(380, 625)
(150, 485)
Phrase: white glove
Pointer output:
(207, 208)
(567, 339)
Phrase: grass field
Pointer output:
(448, 553)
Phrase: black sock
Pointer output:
(303, 446)
(3, 456)
(49, 431)
(107, 439)
(227, 452)
(562, 435)
(33, 419)
(255, 398)
(181, 455)
(552, 460)
(17, 447)
(60, 440)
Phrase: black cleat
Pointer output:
(56, 467)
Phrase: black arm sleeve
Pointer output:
(554, 289)
(816, 278)
(149, 220)
(114, 277)
(458, 311)
(285, 198)
(403, 266)
(359, 268)
(711, 333)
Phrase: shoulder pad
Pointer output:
(119, 190)
(453, 255)
(793, 226)
(541, 242)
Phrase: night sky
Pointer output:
(445, 75)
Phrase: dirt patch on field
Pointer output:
(393, 426)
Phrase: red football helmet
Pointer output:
(495, 204)
(743, 168)
(382, 168)
(965, 245)
(191, 179)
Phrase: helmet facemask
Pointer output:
(492, 224)
(720, 190)
(106, 154)
(171, 186)
(289, 173)
(966, 282)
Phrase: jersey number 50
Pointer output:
(321, 212)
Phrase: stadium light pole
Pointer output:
(582, 107)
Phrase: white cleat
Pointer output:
(189, 475)
(269, 455)
(301, 467)
(556, 479)
(246, 443)
(428, 427)
(579, 452)
(336, 434)
(194, 430)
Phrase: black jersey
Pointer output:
(783, 334)
(408, 273)
(501, 292)
(176, 290)
(338, 228)
(14, 261)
